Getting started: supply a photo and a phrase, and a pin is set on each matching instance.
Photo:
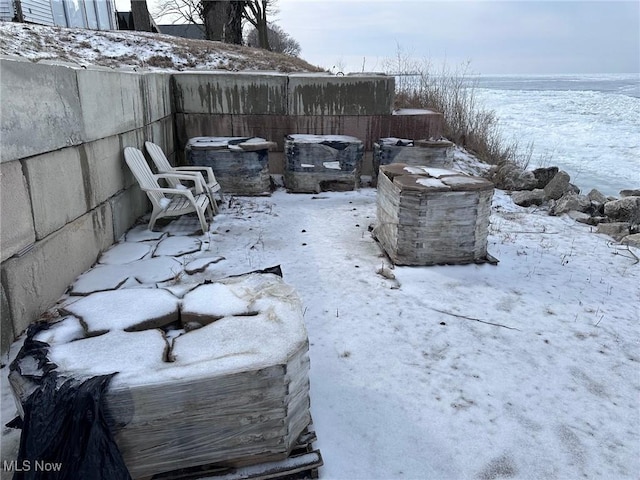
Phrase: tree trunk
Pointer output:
(256, 14)
(140, 15)
(263, 29)
(214, 15)
(233, 30)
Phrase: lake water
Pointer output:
(587, 125)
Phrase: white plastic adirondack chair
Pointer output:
(168, 202)
(162, 164)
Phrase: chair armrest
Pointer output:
(173, 191)
(198, 181)
(211, 177)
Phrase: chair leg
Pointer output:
(203, 222)
(152, 221)
(213, 203)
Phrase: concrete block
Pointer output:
(230, 92)
(313, 94)
(200, 125)
(134, 138)
(44, 92)
(34, 282)
(162, 133)
(16, 221)
(59, 188)
(127, 207)
(156, 96)
(111, 102)
(270, 127)
(102, 160)
(6, 324)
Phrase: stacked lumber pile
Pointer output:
(219, 376)
(429, 216)
(317, 163)
(241, 164)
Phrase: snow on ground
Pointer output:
(139, 50)
(527, 369)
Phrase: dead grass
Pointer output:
(153, 50)
(466, 122)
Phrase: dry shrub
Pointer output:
(160, 61)
(452, 92)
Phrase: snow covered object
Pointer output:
(217, 377)
(317, 163)
(431, 216)
(431, 152)
(240, 164)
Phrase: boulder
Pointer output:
(633, 240)
(570, 201)
(630, 193)
(626, 209)
(582, 218)
(595, 196)
(597, 220)
(617, 230)
(579, 216)
(526, 181)
(544, 175)
(526, 198)
(558, 186)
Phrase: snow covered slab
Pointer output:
(232, 388)
(125, 252)
(142, 234)
(176, 246)
(128, 309)
(430, 216)
(111, 277)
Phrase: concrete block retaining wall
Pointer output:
(66, 194)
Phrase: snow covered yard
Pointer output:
(527, 369)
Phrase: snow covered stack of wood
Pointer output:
(241, 164)
(429, 216)
(219, 376)
(317, 163)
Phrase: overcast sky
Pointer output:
(494, 36)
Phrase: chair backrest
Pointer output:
(160, 160)
(158, 157)
(140, 169)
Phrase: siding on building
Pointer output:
(37, 11)
(6, 10)
(97, 15)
